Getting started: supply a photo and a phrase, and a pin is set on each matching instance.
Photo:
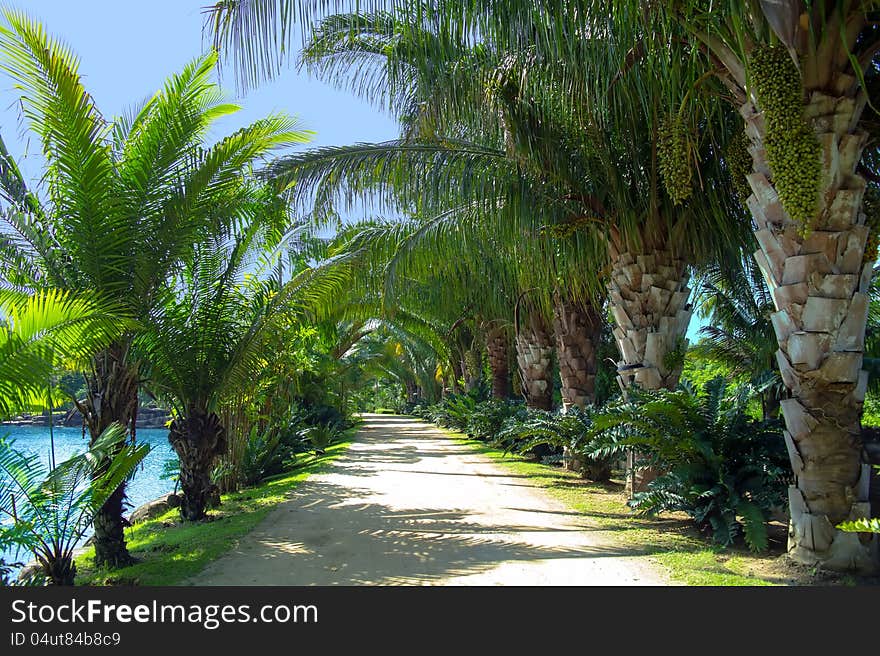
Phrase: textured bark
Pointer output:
(111, 398)
(820, 289)
(649, 301)
(457, 369)
(412, 391)
(498, 347)
(198, 440)
(576, 329)
(534, 356)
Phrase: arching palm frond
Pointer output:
(42, 332)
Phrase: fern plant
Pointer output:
(321, 436)
(571, 430)
(488, 418)
(50, 510)
(454, 411)
(725, 470)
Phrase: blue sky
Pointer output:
(128, 48)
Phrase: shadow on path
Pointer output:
(408, 505)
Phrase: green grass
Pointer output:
(670, 541)
(169, 550)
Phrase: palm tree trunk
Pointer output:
(649, 301)
(198, 440)
(819, 283)
(456, 365)
(412, 391)
(111, 398)
(576, 329)
(498, 345)
(534, 355)
(472, 367)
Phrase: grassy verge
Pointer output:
(671, 541)
(169, 550)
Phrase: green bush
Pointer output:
(453, 412)
(724, 469)
(571, 430)
(489, 417)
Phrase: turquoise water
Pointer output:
(146, 485)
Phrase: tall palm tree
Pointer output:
(204, 343)
(593, 156)
(801, 75)
(415, 71)
(123, 204)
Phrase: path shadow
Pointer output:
(330, 532)
(322, 536)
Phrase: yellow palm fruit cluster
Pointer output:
(673, 154)
(739, 163)
(793, 152)
(871, 208)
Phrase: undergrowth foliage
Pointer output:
(724, 469)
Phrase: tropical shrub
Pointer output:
(321, 436)
(489, 418)
(454, 411)
(51, 509)
(724, 469)
(266, 454)
(570, 431)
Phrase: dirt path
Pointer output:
(406, 505)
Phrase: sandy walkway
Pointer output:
(406, 505)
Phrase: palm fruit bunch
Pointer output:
(568, 228)
(673, 154)
(793, 152)
(739, 163)
(871, 208)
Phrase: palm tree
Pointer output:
(204, 343)
(123, 205)
(42, 332)
(51, 508)
(599, 155)
(801, 75)
(395, 60)
(486, 126)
